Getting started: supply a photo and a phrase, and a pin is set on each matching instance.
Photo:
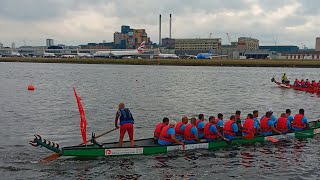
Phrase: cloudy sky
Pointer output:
(73, 22)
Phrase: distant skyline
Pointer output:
(74, 22)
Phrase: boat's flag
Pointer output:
(83, 121)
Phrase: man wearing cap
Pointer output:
(167, 135)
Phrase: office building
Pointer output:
(248, 43)
(197, 45)
(49, 42)
(129, 38)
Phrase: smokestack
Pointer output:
(170, 27)
(160, 30)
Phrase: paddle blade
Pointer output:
(50, 158)
(83, 121)
(272, 139)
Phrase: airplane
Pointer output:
(167, 56)
(68, 56)
(83, 55)
(13, 54)
(121, 54)
(208, 55)
(48, 55)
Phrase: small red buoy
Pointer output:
(30, 87)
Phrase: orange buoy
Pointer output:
(30, 87)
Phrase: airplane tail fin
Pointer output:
(141, 47)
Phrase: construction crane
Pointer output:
(229, 39)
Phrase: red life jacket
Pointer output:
(187, 133)
(318, 85)
(314, 84)
(282, 124)
(287, 115)
(297, 121)
(177, 128)
(164, 135)
(302, 83)
(296, 82)
(227, 128)
(207, 133)
(308, 83)
(158, 129)
(248, 127)
(200, 130)
(264, 125)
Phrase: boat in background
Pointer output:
(289, 86)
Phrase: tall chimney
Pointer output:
(160, 30)
(170, 27)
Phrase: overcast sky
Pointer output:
(73, 22)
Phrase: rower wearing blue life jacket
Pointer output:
(210, 131)
(191, 132)
(255, 116)
(180, 126)
(238, 121)
(267, 126)
(288, 115)
(250, 127)
(167, 135)
(274, 119)
(219, 123)
(300, 122)
(230, 128)
(200, 126)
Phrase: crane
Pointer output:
(229, 39)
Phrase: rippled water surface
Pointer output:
(151, 92)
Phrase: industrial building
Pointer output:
(304, 54)
(248, 43)
(281, 49)
(317, 44)
(129, 38)
(194, 45)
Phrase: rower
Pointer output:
(191, 132)
(300, 122)
(238, 120)
(302, 83)
(167, 135)
(288, 115)
(230, 128)
(200, 126)
(308, 83)
(267, 125)
(250, 127)
(219, 123)
(318, 85)
(179, 129)
(296, 82)
(126, 123)
(274, 119)
(210, 131)
(314, 84)
(284, 79)
(255, 116)
(159, 126)
(283, 124)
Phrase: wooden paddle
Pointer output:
(56, 155)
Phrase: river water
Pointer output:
(151, 92)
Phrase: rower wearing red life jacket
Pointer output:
(126, 123)
(200, 126)
(180, 126)
(318, 85)
(308, 83)
(238, 120)
(210, 131)
(250, 127)
(288, 115)
(167, 135)
(283, 124)
(302, 83)
(314, 84)
(230, 128)
(191, 132)
(267, 125)
(300, 122)
(296, 82)
(219, 123)
(158, 129)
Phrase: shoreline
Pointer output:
(175, 62)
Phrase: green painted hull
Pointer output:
(111, 149)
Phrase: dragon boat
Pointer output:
(290, 86)
(147, 146)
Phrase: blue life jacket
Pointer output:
(126, 116)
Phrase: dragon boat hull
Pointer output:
(289, 86)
